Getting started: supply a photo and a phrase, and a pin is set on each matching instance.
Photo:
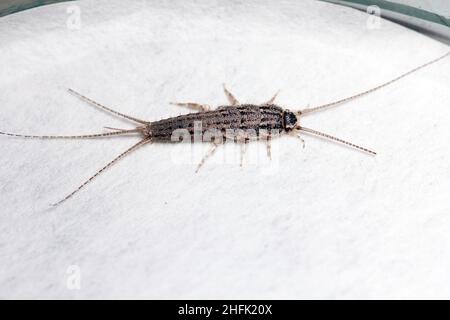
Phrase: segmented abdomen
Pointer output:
(244, 117)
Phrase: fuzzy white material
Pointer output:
(321, 222)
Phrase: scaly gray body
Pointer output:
(242, 117)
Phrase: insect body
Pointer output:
(266, 117)
(245, 121)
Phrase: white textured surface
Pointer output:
(329, 222)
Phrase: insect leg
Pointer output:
(231, 99)
(273, 98)
(128, 151)
(301, 140)
(98, 105)
(209, 154)
(269, 146)
(192, 105)
(243, 149)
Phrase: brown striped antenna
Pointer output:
(110, 164)
(341, 101)
(330, 137)
(83, 136)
